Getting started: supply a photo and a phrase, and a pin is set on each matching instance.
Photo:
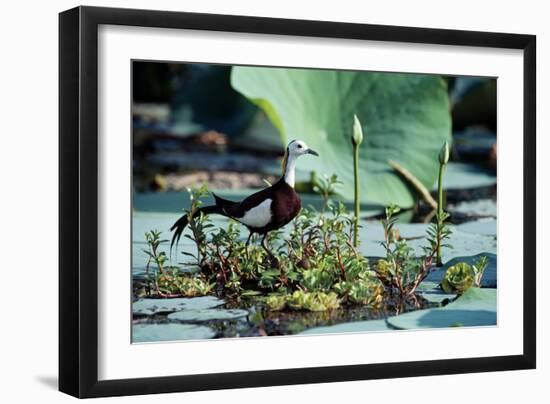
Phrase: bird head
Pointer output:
(298, 148)
(295, 149)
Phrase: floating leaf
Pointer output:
(485, 207)
(355, 326)
(464, 243)
(432, 292)
(465, 176)
(147, 307)
(486, 227)
(476, 307)
(208, 315)
(169, 332)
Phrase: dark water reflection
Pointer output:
(262, 322)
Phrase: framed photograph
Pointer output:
(251, 201)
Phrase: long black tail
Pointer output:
(183, 221)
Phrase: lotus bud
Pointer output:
(444, 154)
(357, 137)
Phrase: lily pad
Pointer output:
(354, 326)
(412, 230)
(486, 227)
(170, 332)
(464, 243)
(484, 207)
(405, 117)
(466, 176)
(148, 307)
(208, 315)
(476, 307)
(432, 292)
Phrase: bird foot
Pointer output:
(274, 262)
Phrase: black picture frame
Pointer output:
(78, 200)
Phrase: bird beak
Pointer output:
(310, 151)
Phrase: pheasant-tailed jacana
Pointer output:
(264, 211)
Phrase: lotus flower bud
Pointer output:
(357, 137)
(444, 154)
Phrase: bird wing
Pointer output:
(250, 202)
(259, 216)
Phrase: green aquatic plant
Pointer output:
(441, 232)
(319, 265)
(198, 224)
(174, 283)
(276, 302)
(317, 258)
(326, 187)
(364, 290)
(153, 240)
(458, 278)
(401, 270)
(479, 269)
(322, 278)
(303, 300)
(168, 281)
(313, 301)
(462, 276)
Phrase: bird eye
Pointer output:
(299, 146)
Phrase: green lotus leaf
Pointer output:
(404, 117)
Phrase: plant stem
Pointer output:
(420, 188)
(439, 212)
(357, 197)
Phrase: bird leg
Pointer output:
(273, 260)
(247, 244)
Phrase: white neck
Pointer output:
(289, 174)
